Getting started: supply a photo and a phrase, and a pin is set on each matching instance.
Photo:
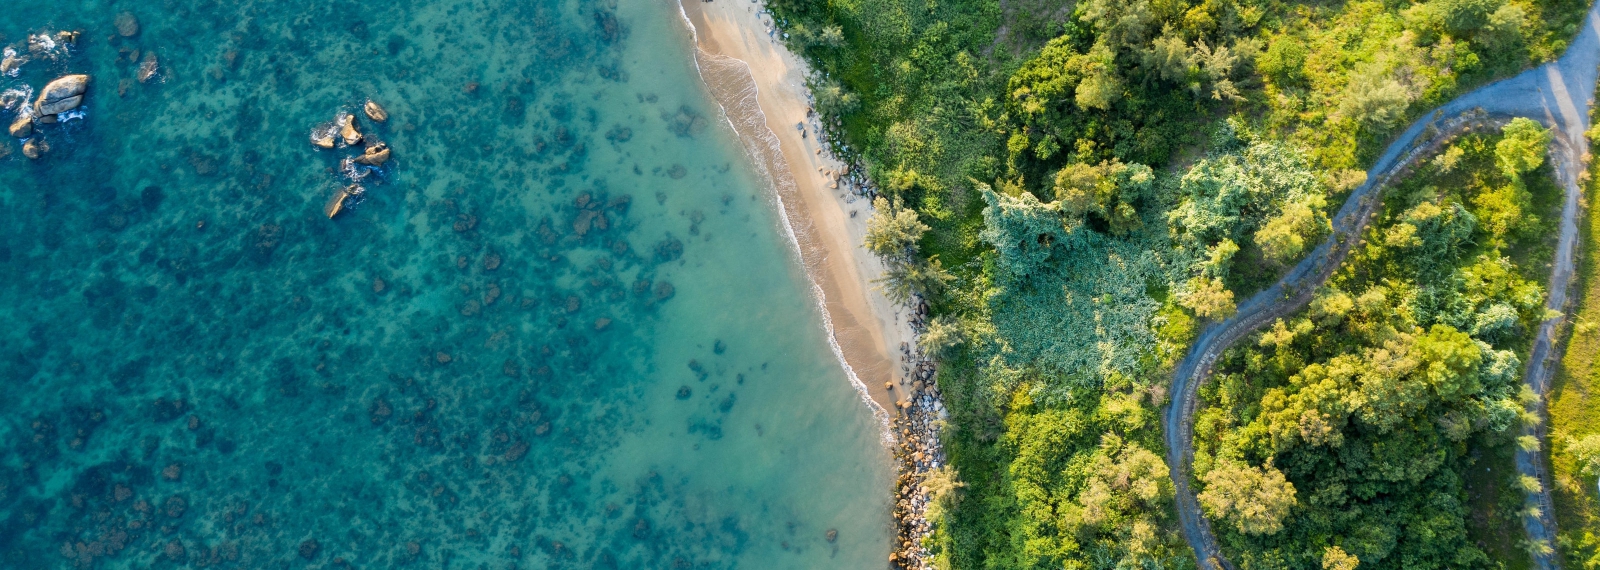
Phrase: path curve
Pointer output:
(1542, 94)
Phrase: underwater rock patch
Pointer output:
(175, 506)
(174, 551)
(309, 548)
(685, 123)
(127, 24)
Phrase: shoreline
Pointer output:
(761, 89)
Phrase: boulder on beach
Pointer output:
(22, 127)
(375, 155)
(127, 25)
(375, 111)
(63, 94)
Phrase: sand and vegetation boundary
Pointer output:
(826, 206)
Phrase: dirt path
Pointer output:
(1541, 94)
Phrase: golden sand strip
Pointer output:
(761, 88)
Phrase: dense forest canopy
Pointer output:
(1077, 188)
(1352, 425)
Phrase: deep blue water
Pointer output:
(563, 330)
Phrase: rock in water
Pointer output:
(35, 148)
(375, 111)
(10, 64)
(41, 43)
(64, 94)
(22, 127)
(337, 204)
(10, 99)
(148, 67)
(127, 25)
(323, 136)
(375, 155)
(347, 129)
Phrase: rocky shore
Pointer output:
(920, 414)
(917, 455)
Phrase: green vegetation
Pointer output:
(1356, 423)
(1574, 417)
(1076, 188)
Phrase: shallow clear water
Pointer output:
(564, 330)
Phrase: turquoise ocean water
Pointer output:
(563, 330)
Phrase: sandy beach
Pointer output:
(761, 87)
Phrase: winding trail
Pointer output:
(1557, 94)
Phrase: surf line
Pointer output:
(752, 113)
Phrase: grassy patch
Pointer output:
(1575, 403)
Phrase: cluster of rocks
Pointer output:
(344, 131)
(43, 45)
(916, 425)
(849, 176)
(57, 102)
(917, 454)
(146, 64)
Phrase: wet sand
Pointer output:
(761, 87)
